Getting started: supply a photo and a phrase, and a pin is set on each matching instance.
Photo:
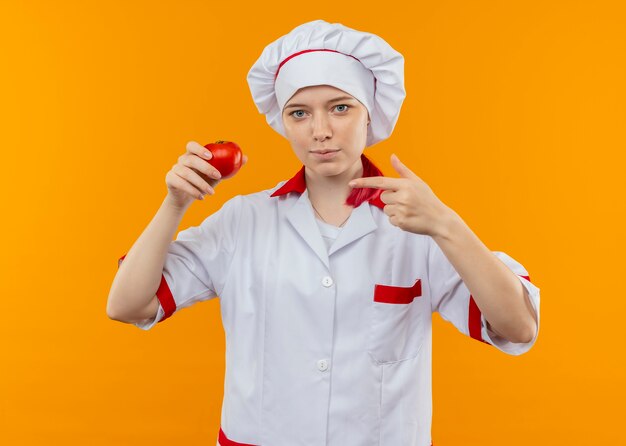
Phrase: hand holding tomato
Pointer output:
(194, 175)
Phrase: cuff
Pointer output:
(147, 324)
(167, 305)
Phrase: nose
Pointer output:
(321, 128)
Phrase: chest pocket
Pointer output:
(396, 330)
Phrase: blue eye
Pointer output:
(344, 105)
(297, 111)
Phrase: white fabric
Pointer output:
(386, 65)
(329, 232)
(325, 68)
(288, 303)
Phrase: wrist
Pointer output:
(449, 223)
(173, 207)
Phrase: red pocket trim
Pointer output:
(397, 294)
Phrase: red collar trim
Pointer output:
(376, 201)
(297, 184)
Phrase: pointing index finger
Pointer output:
(375, 183)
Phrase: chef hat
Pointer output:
(321, 53)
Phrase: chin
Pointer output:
(330, 169)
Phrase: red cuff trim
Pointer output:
(164, 294)
(166, 299)
(224, 441)
(397, 294)
(475, 324)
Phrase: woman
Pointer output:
(328, 281)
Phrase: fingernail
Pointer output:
(217, 175)
(351, 183)
(207, 153)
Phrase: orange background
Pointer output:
(515, 116)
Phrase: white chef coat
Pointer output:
(324, 346)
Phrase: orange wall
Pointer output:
(514, 116)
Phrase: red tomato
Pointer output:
(226, 157)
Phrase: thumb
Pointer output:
(404, 171)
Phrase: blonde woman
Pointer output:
(328, 281)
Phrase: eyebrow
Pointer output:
(342, 98)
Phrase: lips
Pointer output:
(322, 152)
(325, 154)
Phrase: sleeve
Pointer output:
(453, 301)
(197, 263)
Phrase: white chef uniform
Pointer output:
(323, 347)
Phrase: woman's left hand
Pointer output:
(409, 202)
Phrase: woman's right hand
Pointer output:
(192, 177)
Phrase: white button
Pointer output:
(322, 365)
(327, 281)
